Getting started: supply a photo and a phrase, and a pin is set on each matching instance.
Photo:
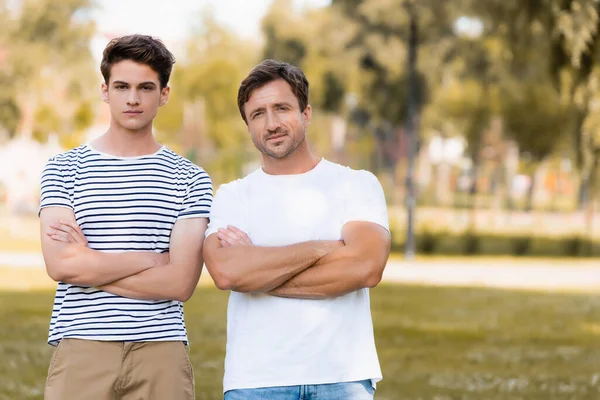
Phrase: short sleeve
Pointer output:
(199, 196)
(53, 187)
(365, 200)
(226, 209)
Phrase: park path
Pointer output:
(538, 275)
(487, 272)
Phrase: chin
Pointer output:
(134, 127)
(279, 153)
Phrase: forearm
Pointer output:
(83, 266)
(168, 282)
(259, 269)
(338, 273)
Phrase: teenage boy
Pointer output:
(122, 223)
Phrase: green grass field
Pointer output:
(434, 343)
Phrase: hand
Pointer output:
(67, 232)
(232, 236)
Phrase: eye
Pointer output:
(147, 88)
(257, 114)
(120, 87)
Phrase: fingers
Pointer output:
(243, 236)
(72, 225)
(75, 231)
(227, 238)
(68, 231)
(61, 236)
(232, 236)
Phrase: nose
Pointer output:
(133, 98)
(272, 121)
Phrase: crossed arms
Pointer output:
(309, 270)
(139, 275)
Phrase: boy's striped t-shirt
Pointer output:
(122, 204)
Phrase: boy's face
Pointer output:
(133, 95)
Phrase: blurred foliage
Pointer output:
(202, 117)
(494, 72)
(48, 71)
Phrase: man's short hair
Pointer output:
(141, 49)
(269, 71)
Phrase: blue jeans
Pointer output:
(361, 390)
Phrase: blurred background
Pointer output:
(480, 118)
(491, 118)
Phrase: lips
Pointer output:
(132, 112)
(276, 137)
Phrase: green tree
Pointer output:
(562, 36)
(48, 67)
(536, 119)
(202, 117)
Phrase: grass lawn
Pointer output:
(434, 343)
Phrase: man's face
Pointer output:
(275, 122)
(133, 95)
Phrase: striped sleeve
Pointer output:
(53, 187)
(198, 198)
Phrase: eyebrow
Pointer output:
(252, 112)
(140, 84)
(283, 103)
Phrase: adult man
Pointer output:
(110, 211)
(298, 242)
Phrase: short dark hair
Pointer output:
(268, 71)
(142, 49)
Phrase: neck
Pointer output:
(122, 142)
(298, 162)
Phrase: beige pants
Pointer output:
(90, 370)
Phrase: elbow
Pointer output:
(227, 277)
(63, 267)
(219, 275)
(183, 287)
(183, 295)
(374, 275)
(180, 292)
(56, 273)
(62, 272)
(223, 284)
(225, 281)
(222, 281)
(375, 267)
(373, 280)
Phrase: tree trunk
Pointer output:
(474, 193)
(591, 185)
(531, 192)
(442, 183)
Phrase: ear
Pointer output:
(164, 95)
(307, 115)
(104, 92)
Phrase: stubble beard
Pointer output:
(281, 151)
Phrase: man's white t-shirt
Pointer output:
(273, 341)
